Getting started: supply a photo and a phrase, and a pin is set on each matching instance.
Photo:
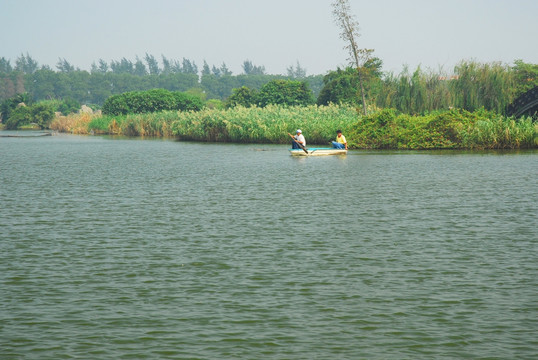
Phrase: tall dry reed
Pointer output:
(73, 123)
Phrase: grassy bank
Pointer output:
(384, 129)
(454, 129)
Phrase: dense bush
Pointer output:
(275, 92)
(343, 85)
(186, 102)
(68, 106)
(285, 92)
(18, 117)
(20, 110)
(140, 102)
(452, 129)
(242, 96)
(9, 105)
(42, 114)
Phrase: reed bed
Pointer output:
(265, 125)
(73, 123)
(383, 129)
(501, 133)
(472, 86)
(240, 125)
(491, 86)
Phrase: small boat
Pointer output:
(317, 152)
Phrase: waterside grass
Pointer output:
(472, 86)
(76, 123)
(383, 129)
(452, 129)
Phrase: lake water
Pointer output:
(131, 248)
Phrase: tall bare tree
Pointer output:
(350, 33)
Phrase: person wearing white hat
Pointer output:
(300, 139)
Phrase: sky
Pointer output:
(276, 34)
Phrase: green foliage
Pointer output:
(5, 65)
(9, 105)
(477, 85)
(285, 92)
(64, 66)
(26, 64)
(155, 100)
(340, 87)
(250, 69)
(343, 87)
(415, 93)
(385, 129)
(264, 125)
(19, 111)
(104, 124)
(473, 86)
(95, 88)
(526, 76)
(68, 106)
(18, 117)
(42, 114)
(186, 102)
(470, 85)
(296, 73)
(500, 132)
(215, 104)
(255, 125)
(454, 129)
(242, 96)
(276, 92)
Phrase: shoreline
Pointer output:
(383, 129)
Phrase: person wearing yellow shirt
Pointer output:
(340, 142)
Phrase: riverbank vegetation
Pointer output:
(382, 129)
(452, 129)
(422, 109)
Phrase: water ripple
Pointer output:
(159, 249)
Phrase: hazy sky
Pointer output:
(272, 33)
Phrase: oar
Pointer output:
(298, 143)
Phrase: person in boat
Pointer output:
(340, 142)
(299, 137)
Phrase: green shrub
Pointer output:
(242, 96)
(9, 105)
(18, 117)
(42, 114)
(155, 100)
(68, 106)
(481, 129)
(186, 102)
(285, 92)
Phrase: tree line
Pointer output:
(149, 65)
(470, 86)
(115, 77)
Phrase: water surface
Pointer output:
(116, 248)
